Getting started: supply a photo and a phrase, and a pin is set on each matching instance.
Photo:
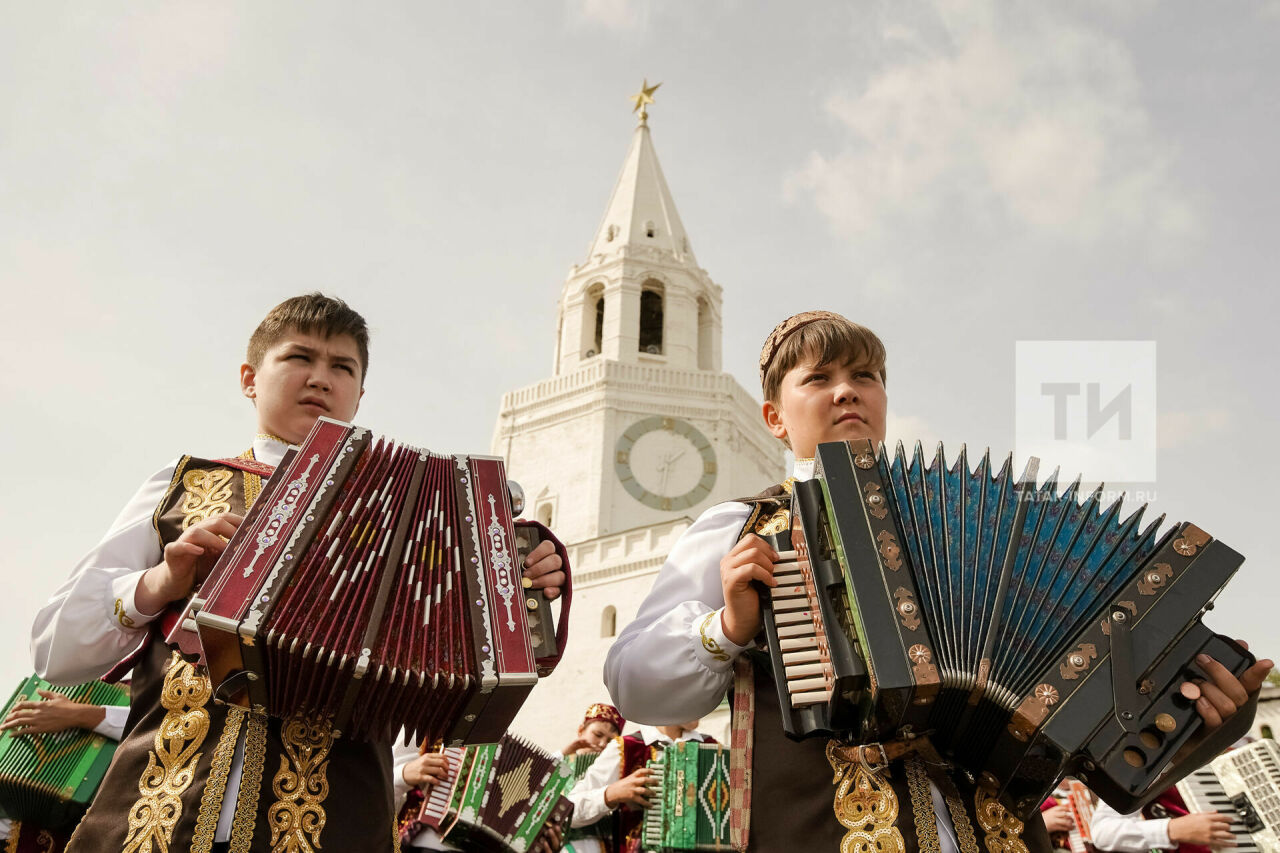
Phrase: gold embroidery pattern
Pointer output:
(959, 817)
(121, 616)
(865, 805)
(171, 766)
(216, 787)
(922, 806)
(164, 502)
(1003, 830)
(255, 755)
(301, 786)
(775, 523)
(44, 840)
(208, 495)
(15, 833)
(709, 643)
(252, 482)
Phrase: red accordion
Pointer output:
(380, 585)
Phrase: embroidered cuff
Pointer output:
(714, 650)
(123, 612)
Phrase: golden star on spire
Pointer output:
(643, 98)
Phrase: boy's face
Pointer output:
(301, 378)
(827, 402)
(597, 734)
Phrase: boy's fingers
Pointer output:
(1221, 701)
(1222, 678)
(1254, 677)
(1212, 719)
(544, 550)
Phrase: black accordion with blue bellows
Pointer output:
(1027, 633)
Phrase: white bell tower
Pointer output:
(637, 431)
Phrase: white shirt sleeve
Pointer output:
(1118, 833)
(673, 662)
(91, 623)
(401, 755)
(112, 725)
(588, 795)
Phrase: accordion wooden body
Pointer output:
(500, 797)
(691, 799)
(50, 779)
(379, 585)
(1029, 634)
(1243, 783)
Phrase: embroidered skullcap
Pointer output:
(607, 713)
(786, 329)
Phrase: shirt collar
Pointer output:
(651, 735)
(803, 469)
(268, 449)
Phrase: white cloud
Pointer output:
(995, 117)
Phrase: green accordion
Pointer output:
(691, 799)
(500, 797)
(50, 779)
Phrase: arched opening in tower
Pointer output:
(651, 319)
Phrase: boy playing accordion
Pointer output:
(192, 773)
(823, 380)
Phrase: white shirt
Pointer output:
(1120, 833)
(112, 726)
(660, 670)
(78, 635)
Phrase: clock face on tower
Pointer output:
(665, 463)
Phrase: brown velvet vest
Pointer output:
(802, 799)
(301, 787)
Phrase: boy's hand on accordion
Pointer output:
(750, 561)
(1223, 694)
(632, 790)
(1212, 829)
(56, 713)
(543, 567)
(187, 560)
(426, 770)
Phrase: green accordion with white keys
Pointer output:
(691, 799)
(50, 779)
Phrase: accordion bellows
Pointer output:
(51, 778)
(1028, 631)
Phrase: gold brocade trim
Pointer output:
(216, 787)
(709, 643)
(171, 766)
(395, 835)
(121, 616)
(922, 806)
(164, 502)
(959, 815)
(15, 834)
(301, 785)
(44, 840)
(208, 495)
(1003, 830)
(252, 482)
(865, 805)
(255, 756)
(270, 436)
(775, 523)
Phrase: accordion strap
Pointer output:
(547, 663)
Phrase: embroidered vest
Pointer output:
(166, 785)
(804, 795)
(28, 838)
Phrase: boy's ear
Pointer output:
(248, 380)
(773, 419)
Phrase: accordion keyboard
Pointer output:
(436, 806)
(653, 832)
(1250, 797)
(806, 656)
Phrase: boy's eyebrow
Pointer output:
(296, 347)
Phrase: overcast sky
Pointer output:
(958, 175)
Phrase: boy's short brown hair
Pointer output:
(310, 314)
(821, 335)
